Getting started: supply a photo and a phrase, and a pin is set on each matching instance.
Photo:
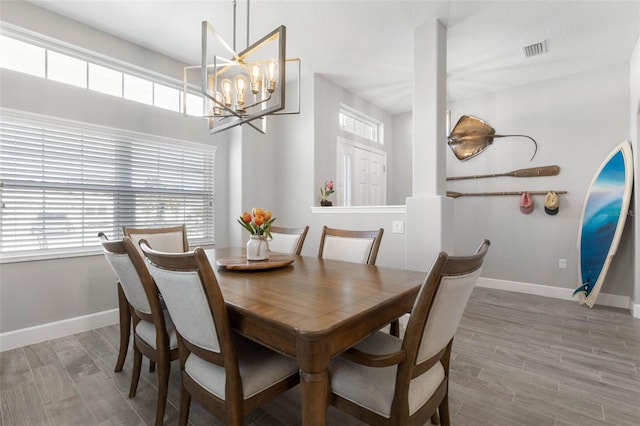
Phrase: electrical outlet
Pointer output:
(397, 227)
(562, 263)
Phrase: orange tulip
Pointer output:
(267, 215)
(246, 217)
(257, 211)
(258, 219)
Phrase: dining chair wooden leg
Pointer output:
(235, 417)
(444, 411)
(164, 368)
(135, 376)
(185, 405)
(125, 328)
(395, 328)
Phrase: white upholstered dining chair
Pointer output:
(169, 238)
(287, 240)
(172, 238)
(153, 332)
(385, 380)
(229, 375)
(350, 245)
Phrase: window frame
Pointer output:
(205, 233)
(93, 58)
(362, 121)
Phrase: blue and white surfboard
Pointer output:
(603, 217)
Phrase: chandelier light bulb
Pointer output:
(256, 78)
(216, 107)
(272, 74)
(226, 91)
(241, 84)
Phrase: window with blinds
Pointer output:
(61, 183)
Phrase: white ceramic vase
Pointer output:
(257, 248)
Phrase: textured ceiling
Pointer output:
(367, 46)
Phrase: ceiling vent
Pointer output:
(535, 49)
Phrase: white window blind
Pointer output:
(61, 183)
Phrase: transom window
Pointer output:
(359, 124)
(77, 69)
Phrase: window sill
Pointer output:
(401, 209)
(34, 257)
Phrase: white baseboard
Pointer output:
(612, 300)
(40, 333)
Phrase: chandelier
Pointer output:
(243, 87)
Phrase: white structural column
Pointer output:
(429, 109)
(237, 191)
(429, 212)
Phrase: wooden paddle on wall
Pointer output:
(529, 172)
(454, 194)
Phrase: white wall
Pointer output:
(34, 18)
(292, 146)
(400, 182)
(252, 181)
(328, 98)
(42, 292)
(303, 144)
(577, 120)
(85, 284)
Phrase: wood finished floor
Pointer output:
(517, 360)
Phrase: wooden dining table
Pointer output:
(312, 310)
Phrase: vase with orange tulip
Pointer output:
(258, 223)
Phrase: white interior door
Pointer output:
(361, 174)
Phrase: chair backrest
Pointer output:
(350, 246)
(194, 300)
(439, 306)
(134, 277)
(171, 239)
(287, 240)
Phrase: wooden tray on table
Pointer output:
(240, 263)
